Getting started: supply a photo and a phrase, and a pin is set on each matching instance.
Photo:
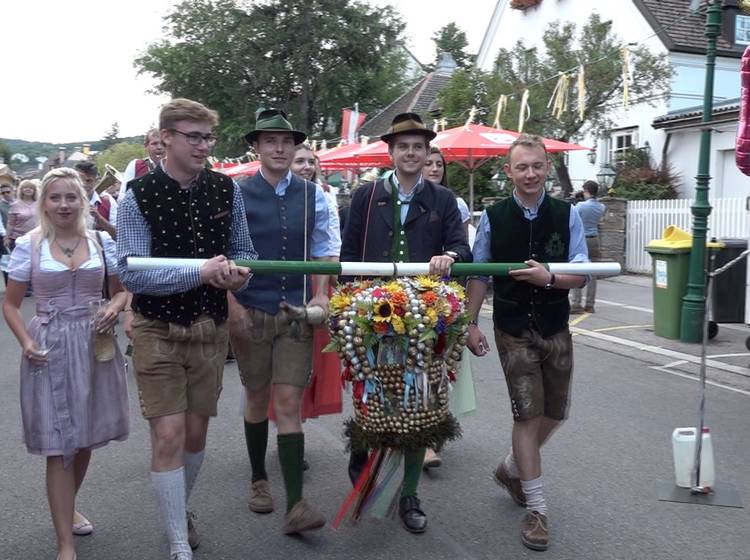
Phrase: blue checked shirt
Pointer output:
(134, 240)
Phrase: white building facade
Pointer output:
(664, 27)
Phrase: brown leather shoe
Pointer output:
(194, 537)
(535, 531)
(511, 485)
(589, 309)
(302, 517)
(260, 497)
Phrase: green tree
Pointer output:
(119, 155)
(451, 39)
(5, 153)
(535, 69)
(111, 137)
(308, 57)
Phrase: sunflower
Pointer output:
(382, 311)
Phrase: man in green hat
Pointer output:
(289, 217)
(405, 218)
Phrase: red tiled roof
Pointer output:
(679, 29)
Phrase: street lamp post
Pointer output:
(694, 302)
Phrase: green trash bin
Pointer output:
(670, 267)
(669, 282)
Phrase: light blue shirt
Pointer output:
(577, 251)
(405, 199)
(591, 212)
(322, 241)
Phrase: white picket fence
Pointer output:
(647, 220)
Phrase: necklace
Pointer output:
(66, 251)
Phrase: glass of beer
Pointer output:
(103, 340)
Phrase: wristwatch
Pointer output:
(551, 284)
(453, 255)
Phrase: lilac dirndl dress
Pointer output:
(72, 402)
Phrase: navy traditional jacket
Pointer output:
(432, 226)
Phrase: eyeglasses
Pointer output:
(195, 138)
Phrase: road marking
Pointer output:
(708, 381)
(745, 372)
(740, 355)
(624, 305)
(578, 319)
(622, 327)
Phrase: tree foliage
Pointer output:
(119, 155)
(536, 69)
(5, 154)
(637, 178)
(309, 57)
(111, 137)
(451, 39)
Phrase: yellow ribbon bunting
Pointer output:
(558, 101)
(502, 104)
(581, 92)
(470, 120)
(524, 111)
(627, 77)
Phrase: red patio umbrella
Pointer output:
(473, 145)
(249, 168)
(469, 146)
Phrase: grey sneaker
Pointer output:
(260, 497)
(194, 538)
(181, 556)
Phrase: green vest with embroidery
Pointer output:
(519, 305)
(400, 246)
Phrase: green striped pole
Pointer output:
(376, 268)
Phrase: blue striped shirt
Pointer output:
(134, 240)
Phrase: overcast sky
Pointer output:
(69, 65)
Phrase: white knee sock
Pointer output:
(193, 462)
(510, 464)
(532, 489)
(169, 489)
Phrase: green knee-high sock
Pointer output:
(291, 453)
(413, 461)
(256, 439)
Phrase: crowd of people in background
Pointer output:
(71, 243)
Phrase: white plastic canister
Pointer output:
(683, 446)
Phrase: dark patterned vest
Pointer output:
(519, 305)
(277, 228)
(194, 222)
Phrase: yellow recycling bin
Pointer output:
(671, 263)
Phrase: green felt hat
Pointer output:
(273, 120)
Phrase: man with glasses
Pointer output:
(139, 167)
(181, 209)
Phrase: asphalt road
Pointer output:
(600, 473)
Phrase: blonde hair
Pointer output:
(28, 183)
(182, 109)
(527, 141)
(47, 231)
